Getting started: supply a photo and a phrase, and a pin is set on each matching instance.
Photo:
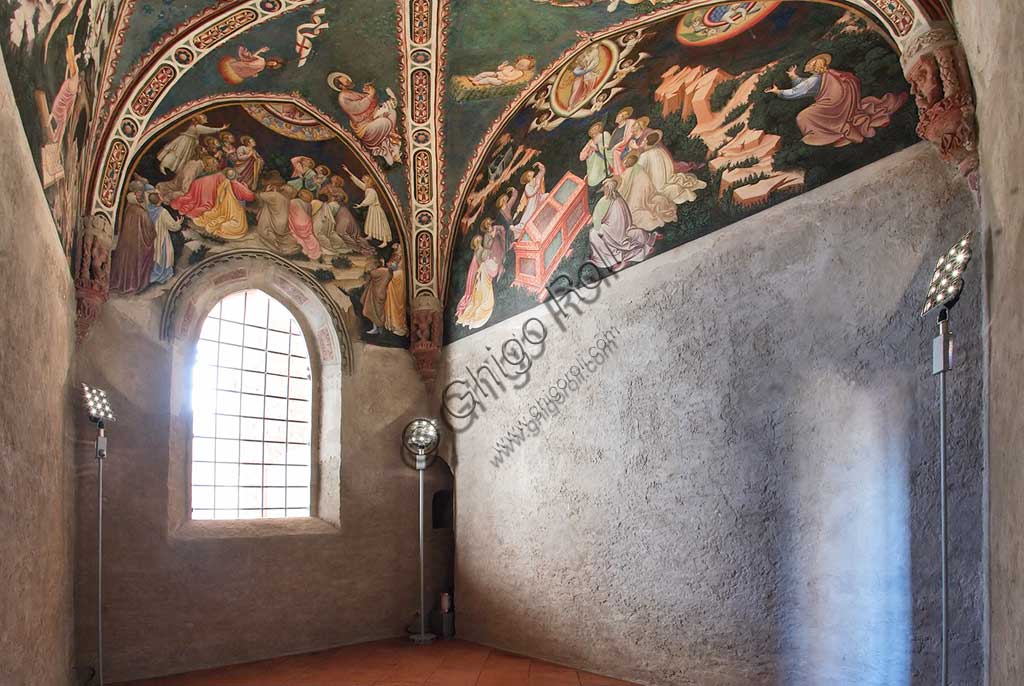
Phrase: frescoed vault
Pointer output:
(660, 132)
(264, 172)
(477, 122)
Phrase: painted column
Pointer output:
(92, 271)
(423, 26)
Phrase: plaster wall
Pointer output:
(176, 604)
(746, 491)
(36, 479)
(991, 33)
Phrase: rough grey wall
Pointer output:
(746, 491)
(991, 32)
(36, 481)
(177, 605)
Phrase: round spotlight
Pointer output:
(420, 441)
(421, 436)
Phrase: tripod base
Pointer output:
(422, 639)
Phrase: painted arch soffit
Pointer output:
(504, 158)
(214, 32)
(497, 48)
(272, 174)
(241, 269)
(133, 107)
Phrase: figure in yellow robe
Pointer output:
(481, 303)
(395, 319)
(226, 218)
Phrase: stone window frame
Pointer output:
(319, 317)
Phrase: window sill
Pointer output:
(194, 530)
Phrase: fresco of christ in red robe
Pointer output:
(839, 115)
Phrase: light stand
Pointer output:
(98, 408)
(419, 451)
(943, 293)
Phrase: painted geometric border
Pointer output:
(423, 34)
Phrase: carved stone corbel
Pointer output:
(426, 336)
(92, 271)
(936, 67)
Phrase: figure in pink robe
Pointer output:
(615, 240)
(839, 115)
(585, 76)
(300, 221)
(248, 162)
(246, 65)
(202, 193)
(494, 240)
(64, 104)
(467, 293)
(200, 197)
(214, 203)
(57, 117)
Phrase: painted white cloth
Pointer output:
(533, 197)
(305, 33)
(660, 167)
(377, 225)
(650, 209)
(803, 87)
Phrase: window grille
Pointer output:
(251, 412)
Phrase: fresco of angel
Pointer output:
(377, 225)
(235, 69)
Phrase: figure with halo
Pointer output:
(375, 123)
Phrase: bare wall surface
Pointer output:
(746, 491)
(176, 605)
(36, 481)
(991, 32)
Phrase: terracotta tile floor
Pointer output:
(393, 663)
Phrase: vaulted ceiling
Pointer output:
(400, 128)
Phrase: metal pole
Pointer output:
(101, 453)
(423, 611)
(941, 363)
(422, 637)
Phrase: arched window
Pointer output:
(252, 396)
